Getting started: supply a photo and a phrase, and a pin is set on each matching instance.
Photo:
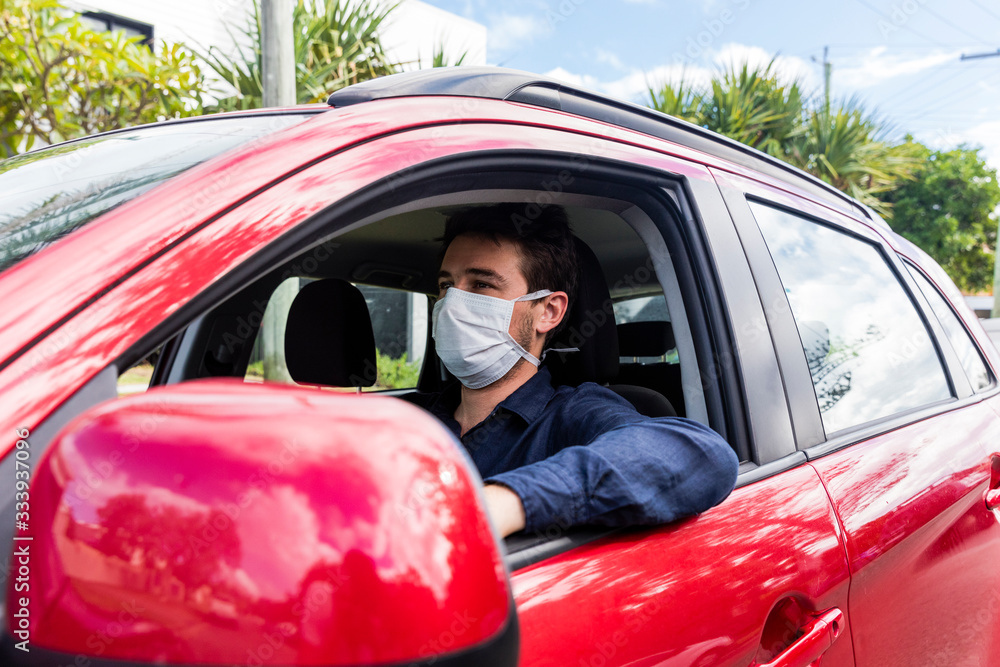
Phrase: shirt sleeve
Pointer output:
(628, 470)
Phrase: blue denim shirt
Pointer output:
(583, 455)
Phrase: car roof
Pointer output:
(497, 83)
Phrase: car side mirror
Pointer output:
(216, 522)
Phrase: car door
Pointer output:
(761, 577)
(894, 427)
(763, 572)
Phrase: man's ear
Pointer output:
(554, 307)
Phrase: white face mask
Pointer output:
(472, 336)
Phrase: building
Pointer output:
(413, 32)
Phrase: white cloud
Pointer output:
(609, 58)
(878, 66)
(508, 31)
(986, 134)
(634, 85)
(578, 80)
(787, 68)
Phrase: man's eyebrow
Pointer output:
(486, 273)
(482, 273)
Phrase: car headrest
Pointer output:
(590, 327)
(328, 336)
(645, 339)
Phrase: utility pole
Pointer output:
(278, 65)
(995, 311)
(827, 73)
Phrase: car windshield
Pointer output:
(49, 193)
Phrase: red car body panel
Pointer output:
(267, 550)
(617, 601)
(919, 538)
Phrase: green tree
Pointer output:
(336, 45)
(60, 80)
(948, 210)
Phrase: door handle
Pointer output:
(818, 635)
(992, 495)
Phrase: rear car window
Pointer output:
(49, 193)
(968, 353)
(869, 352)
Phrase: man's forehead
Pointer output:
(481, 255)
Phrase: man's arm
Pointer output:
(640, 472)
(505, 509)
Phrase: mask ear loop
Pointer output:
(558, 349)
(527, 356)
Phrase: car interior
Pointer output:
(628, 333)
(355, 287)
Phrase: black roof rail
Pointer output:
(497, 83)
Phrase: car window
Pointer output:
(967, 351)
(49, 193)
(399, 322)
(644, 309)
(868, 350)
(135, 380)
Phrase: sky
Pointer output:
(901, 58)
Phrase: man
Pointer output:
(551, 455)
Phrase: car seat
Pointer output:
(591, 328)
(650, 340)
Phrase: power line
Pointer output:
(920, 88)
(997, 17)
(868, 5)
(953, 25)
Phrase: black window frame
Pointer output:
(114, 21)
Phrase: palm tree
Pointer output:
(681, 100)
(748, 104)
(336, 44)
(843, 145)
(846, 147)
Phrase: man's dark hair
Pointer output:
(548, 248)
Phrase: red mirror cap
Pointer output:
(217, 522)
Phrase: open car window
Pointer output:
(399, 321)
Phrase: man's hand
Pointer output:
(505, 509)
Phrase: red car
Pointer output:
(219, 520)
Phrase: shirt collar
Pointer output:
(528, 401)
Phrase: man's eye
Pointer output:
(482, 285)
(443, 286)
